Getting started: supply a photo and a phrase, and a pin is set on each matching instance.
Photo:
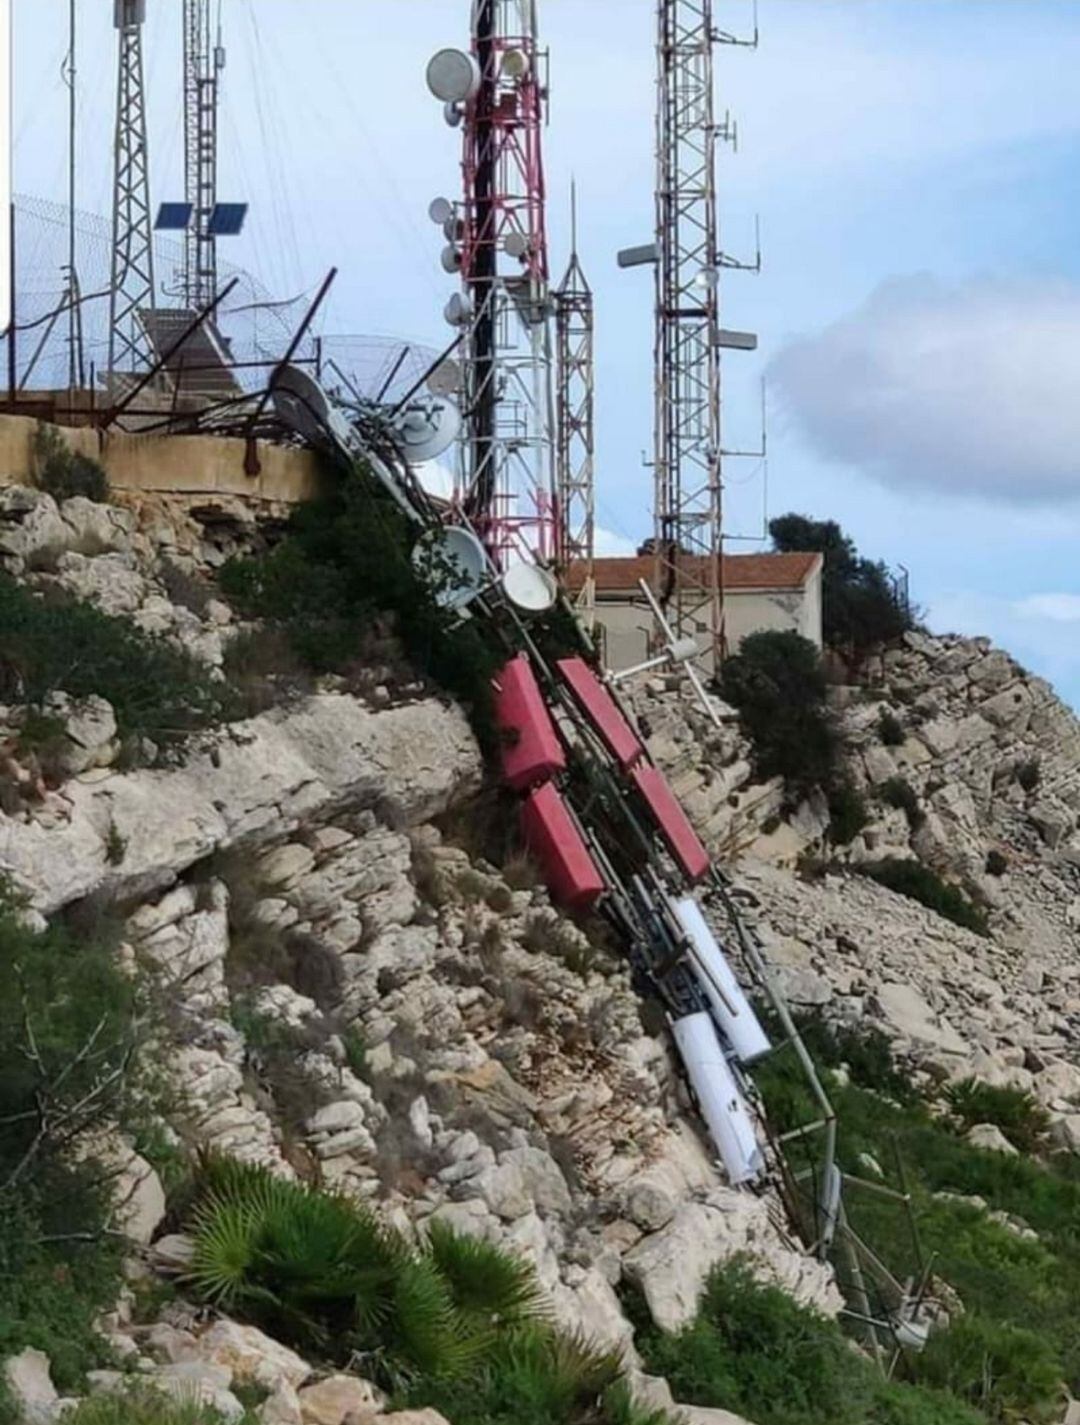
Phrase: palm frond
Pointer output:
(484, 1281)
(226, 1250)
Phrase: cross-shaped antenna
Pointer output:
(677, 651)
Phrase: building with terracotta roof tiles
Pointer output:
(761, 591)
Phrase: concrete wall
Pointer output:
(189, 465)
(628, 624)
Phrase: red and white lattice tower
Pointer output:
(498, 243)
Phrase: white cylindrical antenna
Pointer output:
(721, 1105)
(451, 258)
(731, 1008)
(440, 210)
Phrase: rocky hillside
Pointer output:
(345, 990)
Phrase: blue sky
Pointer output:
(914, 163)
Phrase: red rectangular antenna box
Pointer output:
(531, 750)
(682, 840)
(602, 711)
(553, 838)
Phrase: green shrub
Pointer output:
(1010, 1279)
(1020, 1117)
(143, 1406)
(898, 793)
(61, 643)
(63, 473)
(997, 863)
(326, 600)
(68, 1029)
(891, 729)
(752, 1350)
(848, 812)
(777, 683)
(1004, 1370)
(920, 883)
(1029, 775)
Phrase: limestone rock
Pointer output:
(173, 1254)
(282, 1407)
(990, 1137)
(266, 776)
(200, 1382)
(30, 1384)
(907, 1013)
(333, 1400)
(252, 1356)
(670, 1266)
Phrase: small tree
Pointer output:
(861, 606)
(777, 682)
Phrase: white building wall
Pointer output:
(628, 624)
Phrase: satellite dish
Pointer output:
(453, 115)
(301, 404)
(458, 562)
(458, 311)
(440, 210)
(515, 64)
(529, 588)
(454, 229)
(516, 245)
(424, 430)
(451, 258)
(453, 76)
(447, 379)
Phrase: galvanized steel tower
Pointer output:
(132, 287)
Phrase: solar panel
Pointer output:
(174, 217)
(227, 220)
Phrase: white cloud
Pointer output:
(967, 390)
(1057, 608)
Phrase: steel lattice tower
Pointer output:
(504, 264)
(688, 499)
(203, 62)
(132, 287)
(575, 444)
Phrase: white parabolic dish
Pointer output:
(463, 556)
(529, 588)
(453, 76)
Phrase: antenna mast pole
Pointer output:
(688, 503)
(204, 60)
(132, 286)
(509, 485)
(687, 466)
(575, 445)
